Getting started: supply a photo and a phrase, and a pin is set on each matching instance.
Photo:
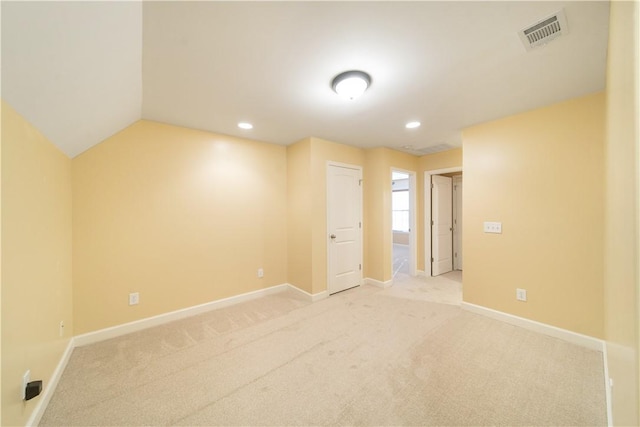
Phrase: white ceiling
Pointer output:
(81, 71)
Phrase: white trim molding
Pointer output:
(309, 297)
(378, 283)
(553, 331)
(149, 322)
(413, 218)
(607, 385)
(50, 387)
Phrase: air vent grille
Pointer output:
(545, 30)
(426, 150)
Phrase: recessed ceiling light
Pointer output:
(245, 125)
(351, 84)
(412, 125)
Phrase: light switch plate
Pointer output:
(493, 227)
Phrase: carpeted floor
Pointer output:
(400, 259)
(361, 357)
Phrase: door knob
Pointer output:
(333, 236)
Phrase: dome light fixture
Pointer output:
(412, 125)
(245, 125)
(351, 84)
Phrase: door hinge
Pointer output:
(359, 225)
(431, 259)
(431, 222)
(360, 182)
(360, 266)
(431, 185)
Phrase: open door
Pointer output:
(441, 225)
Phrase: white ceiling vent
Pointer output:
(545, 30)
(426, 150)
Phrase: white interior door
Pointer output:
(457, 222)
(344, 227)
(442, 227)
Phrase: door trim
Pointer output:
(457, 222)
(330, 163)
(413, 249)
(427, 214)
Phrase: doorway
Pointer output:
(344, 227)
(443, 220)
(403, 222)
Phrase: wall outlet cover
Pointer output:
(26, 378)
(521, 294)
(134, 298)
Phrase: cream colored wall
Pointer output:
(443, 160)
(401, 237)
(377, 236)
(183, 217)
(36, 260)
(377, 216)
(541, 174)
(323, 151)
(299, 215)
(621, 290)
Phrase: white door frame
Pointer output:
(327, 199)
(413, 253)
(427, 214)
(457, 222)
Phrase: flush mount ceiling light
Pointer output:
(412, 125)
(351, 84)
(245, 125)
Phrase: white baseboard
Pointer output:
(421, 273)
(378, 283)
(607, 385)
(532, 325)
(50, 387)
(138, 325)
(310, 297)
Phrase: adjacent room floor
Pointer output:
(366, 356)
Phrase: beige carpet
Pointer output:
(443, 289)
(361, 357)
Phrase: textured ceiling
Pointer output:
(81, 71)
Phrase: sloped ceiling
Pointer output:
(73, 69)
(82, 71)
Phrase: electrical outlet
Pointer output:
(134, 298)
(260, 273)
(61, 329)
(521, 294)
(26, 378)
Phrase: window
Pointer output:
(400, 210)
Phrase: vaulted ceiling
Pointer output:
(82, 71)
